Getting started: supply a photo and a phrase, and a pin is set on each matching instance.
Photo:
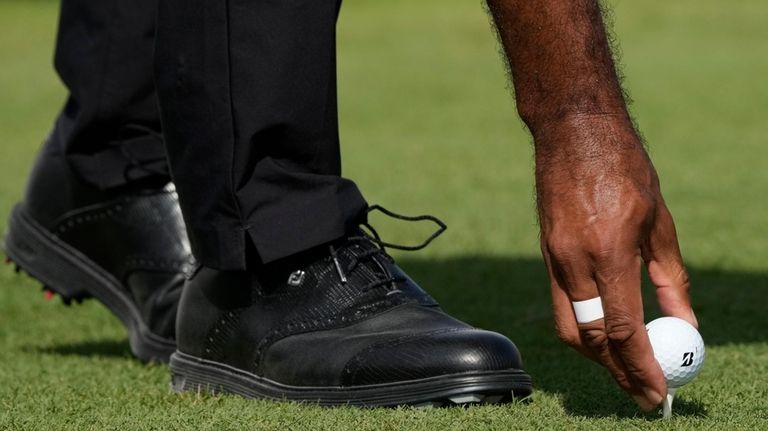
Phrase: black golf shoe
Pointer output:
(340, 326)
(126, 248)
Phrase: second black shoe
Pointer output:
(126, 247)
(340, 327)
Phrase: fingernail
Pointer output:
(653, 396)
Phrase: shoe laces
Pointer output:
(369, 235)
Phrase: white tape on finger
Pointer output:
(589, 310)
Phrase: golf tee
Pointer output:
(667, 406)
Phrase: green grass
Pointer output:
(428, 126)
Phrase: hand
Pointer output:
(602, 214)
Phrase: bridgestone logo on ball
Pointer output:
(687, 359)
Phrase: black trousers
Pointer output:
(245, 91)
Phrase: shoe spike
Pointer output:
(48, 293)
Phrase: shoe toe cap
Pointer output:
(432, 354)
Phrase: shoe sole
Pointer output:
(68, 272)
(190, 373)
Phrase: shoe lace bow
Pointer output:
(370, 235)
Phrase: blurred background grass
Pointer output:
(428, 125)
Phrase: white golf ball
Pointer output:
(678, 348)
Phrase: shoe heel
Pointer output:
(64, 270)
(28, 247)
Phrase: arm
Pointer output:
(601, 211)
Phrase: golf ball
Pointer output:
(678, 348)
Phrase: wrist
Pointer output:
(586, 135)
(590, 151)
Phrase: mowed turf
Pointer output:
(428, 125)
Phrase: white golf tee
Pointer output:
(667, 406)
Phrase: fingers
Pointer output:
(565, 323)
(661, 253)
(619, 342)
(562, 275)
(619, 284)
(595, 335)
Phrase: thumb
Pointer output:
(662, 257)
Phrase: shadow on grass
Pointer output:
(106, 348)
(511, 296)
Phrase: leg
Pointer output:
(248, 96)
(111, 119)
